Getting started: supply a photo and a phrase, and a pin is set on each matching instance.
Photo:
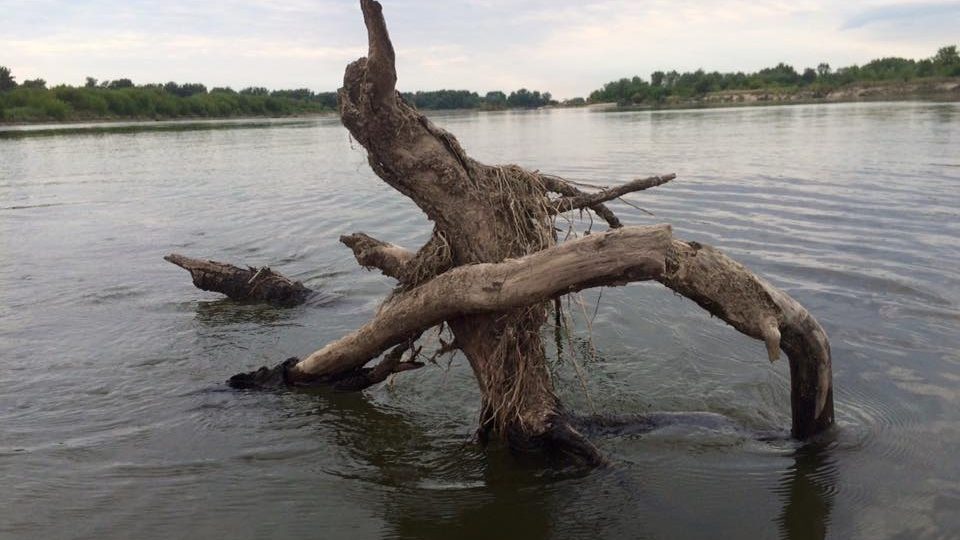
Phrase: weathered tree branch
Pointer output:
(611, 258)
(381, 59)
(362, 378)
(373, 253)
(590, 200)
(702, 273)
(404, 148)
(556, 184)
(731, 292)
(242, 284)
(354, 380)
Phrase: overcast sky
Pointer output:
(568, 47)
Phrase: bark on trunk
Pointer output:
(249, 283)
(483, 214)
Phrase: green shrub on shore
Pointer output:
(121, 99)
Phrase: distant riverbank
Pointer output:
(120, 121)
(934, 89)
(32, 102)
(885, 79)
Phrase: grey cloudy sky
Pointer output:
(564, 46)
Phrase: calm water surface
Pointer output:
(115, 422)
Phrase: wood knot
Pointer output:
(495, 286)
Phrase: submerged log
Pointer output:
(249, 283)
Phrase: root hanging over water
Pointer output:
(433, 259)
(508, 381)
(521, 198)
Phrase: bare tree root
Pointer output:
(354, 380)
(560, 186)
(612, 258)
(373, 253)
(756, 308)
(591, 200)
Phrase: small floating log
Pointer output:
(251, 283)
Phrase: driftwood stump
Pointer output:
(493, 264)
(261, 284)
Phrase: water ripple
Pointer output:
(114, 420)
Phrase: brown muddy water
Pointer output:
(115, 422)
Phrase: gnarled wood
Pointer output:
(612, 258)
(729, 291)
(591, 200)
(242, 283)
(484, 214)
(753, 306)
(558, 185)
(373, 253)
(492, 261)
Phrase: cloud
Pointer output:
(908, 14)
(568, 47)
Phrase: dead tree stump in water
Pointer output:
(493, 263)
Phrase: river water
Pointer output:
(115, 422)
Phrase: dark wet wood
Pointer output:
(259, 284)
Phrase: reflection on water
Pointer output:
(114, 422)
(225, 312)
(807, 490)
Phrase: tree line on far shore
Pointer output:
(32, 100)
(465, 99)
(671, 85)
